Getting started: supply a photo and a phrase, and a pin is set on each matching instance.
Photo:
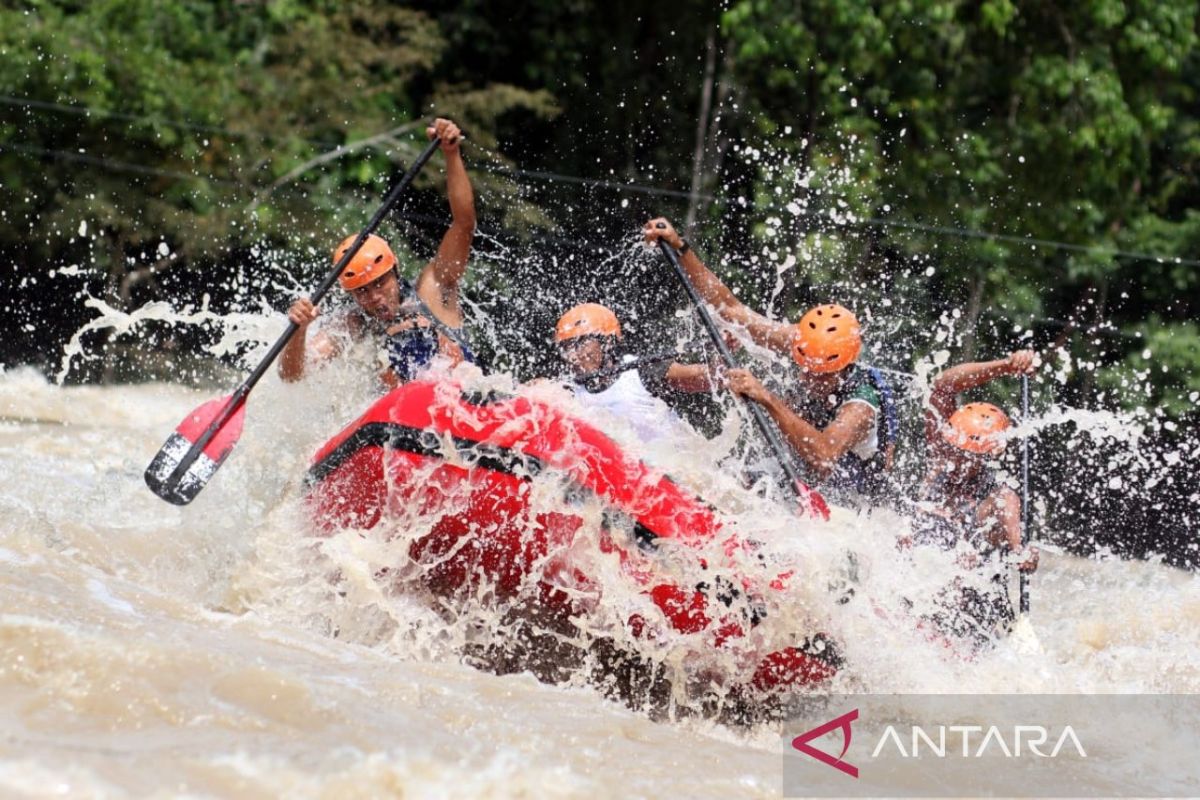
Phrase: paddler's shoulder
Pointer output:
(858, 386)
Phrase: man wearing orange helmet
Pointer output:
(416, 324)
(589, 340)
(837, 417)
(960, 490)
(964, 505)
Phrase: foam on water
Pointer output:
(226, 648)
(222, 648)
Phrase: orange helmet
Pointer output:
(589, 319)
(977, 428)
(826, 339)
(372, 260)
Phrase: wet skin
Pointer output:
(583, 355)
(379, 299)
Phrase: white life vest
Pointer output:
(630, 401)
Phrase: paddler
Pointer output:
(964, 504)
(415, 328)
(837, 416)
(639, 391)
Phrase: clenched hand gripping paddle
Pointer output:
(199, 445)
(814, 501)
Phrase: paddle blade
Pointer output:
(1024, 638)
(812, 502)
(181, 487)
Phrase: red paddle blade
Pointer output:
(183, 467)
(817, 506)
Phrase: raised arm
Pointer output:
(964, 377)
(438, 284)
(765, 332)
(697, 378)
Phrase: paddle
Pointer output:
(205, 437)
(815, 502)
(1024, 490)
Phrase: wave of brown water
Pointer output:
(147, 650)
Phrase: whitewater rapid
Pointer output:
(149, 650)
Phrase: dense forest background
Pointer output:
(975, 176)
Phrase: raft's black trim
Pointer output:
(491, 396)
(393, 436)
(644, 536)
(426, 443)
(821, 648)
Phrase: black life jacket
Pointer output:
(959, 519)
(866, 477)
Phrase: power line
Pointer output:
(184, 125)
(88, 111)
(116, 165)
(123, 166)
(592, 182)
(576, 242)
(110, 163)
(1031, 241)
(965, 233)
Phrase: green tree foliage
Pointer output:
(1068, 122)
(893, 124)
(213, 126)
(852, 135)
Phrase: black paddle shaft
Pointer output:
(1024, 489)
(760, 418)
(243, 390)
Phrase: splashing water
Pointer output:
(231, 642)
(228, 647)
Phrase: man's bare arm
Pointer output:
(439, 283)
(1004, 505)
(292, 360)
(691, 378)
(950, 384)
(765, 332)
(820, 448)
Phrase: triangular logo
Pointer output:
(801, 743)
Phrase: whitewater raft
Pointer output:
(464, 464)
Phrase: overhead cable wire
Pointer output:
(88, 111)
(1030, 241)
(109, 163)
(555, 177)
(123, 166)
(185, 125)
(966, 233)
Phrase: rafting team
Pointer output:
(837, 415)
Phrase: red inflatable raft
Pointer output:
(484, 539)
